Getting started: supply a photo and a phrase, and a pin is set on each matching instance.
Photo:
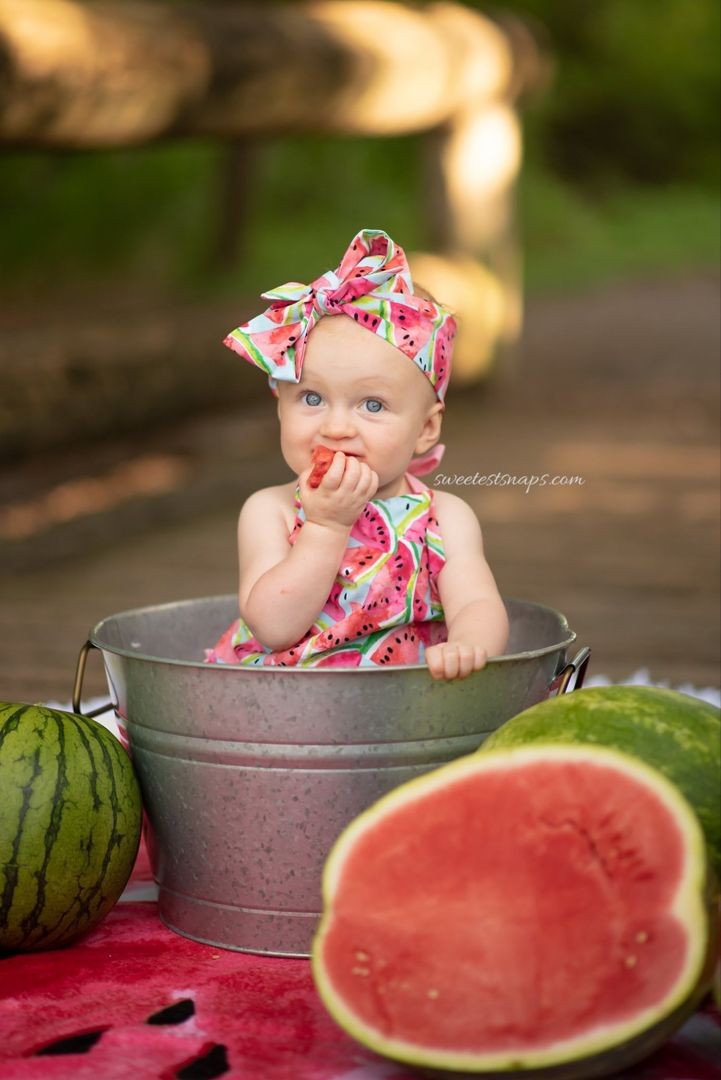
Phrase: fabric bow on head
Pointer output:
(373, 287)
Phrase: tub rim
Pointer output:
(95, 639)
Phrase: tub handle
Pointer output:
(78, 684)
(576, 666)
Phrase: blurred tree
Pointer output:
(636, 90)
(621, 163)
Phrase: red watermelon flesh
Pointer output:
(321, 458)
(541, 908)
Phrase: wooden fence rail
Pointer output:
(122, 72)
(119, 73)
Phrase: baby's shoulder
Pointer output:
(270, 503)
(457, 520)
(450, 505)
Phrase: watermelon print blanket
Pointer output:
(134, 1001)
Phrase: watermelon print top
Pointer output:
(384, 607)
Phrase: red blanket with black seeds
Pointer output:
(134, 1001)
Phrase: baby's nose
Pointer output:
(337, 423)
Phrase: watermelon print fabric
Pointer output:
(372, 286)
(384, 607)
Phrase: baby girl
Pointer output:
(368, 566)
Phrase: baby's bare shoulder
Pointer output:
(269, 505)
(278, 495)
(457, 520)
(453, 507)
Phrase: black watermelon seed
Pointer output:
(207, 1066)
(173, 1014)
(72, 1044)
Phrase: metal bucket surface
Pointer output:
(249, 774)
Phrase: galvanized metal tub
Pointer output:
(249, 774)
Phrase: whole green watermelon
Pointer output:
(70, 819)
(676, 734)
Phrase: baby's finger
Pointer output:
(466, 660)
(373, 484)
(352, 470)
(305, 476)
(334, 477)
(451, 661)
(480, 657)
(434, 661)
(367, 481)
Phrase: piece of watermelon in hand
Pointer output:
(321, 458)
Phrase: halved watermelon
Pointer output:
(543, 909)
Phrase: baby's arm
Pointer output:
(474, 611)
(283, 588)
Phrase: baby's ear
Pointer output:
(435, 414)
(431, 430)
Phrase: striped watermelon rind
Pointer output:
(70, 821)
(674, 733)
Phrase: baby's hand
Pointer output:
(341, 494)
(455, 660)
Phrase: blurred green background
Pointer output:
(620, 177)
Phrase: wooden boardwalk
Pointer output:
(619, 386)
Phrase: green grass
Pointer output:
(573, 241)
(313, 194)
(150, 217)
(105, 219)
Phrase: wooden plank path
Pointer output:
(619, 386)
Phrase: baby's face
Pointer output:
(357, 394)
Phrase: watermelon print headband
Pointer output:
(373, 287)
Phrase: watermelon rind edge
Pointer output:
(688, 907)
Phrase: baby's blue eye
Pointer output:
(311, 398)
(374, 405)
